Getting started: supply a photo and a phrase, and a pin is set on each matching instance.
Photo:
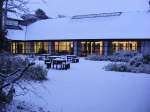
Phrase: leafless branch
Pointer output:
(4, 76)
(16, 78)
(18, 5)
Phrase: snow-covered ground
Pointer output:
(86, 87)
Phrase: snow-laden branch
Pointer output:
(15, 79)
(17, 5)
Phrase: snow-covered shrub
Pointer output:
(137, 64)
(95, 57)
(118, 59)
(23, 106)
(136, 61)
(125, 53)
(122, 67)
(146, 59)
(120, 56)
(141, 64)
(10, 64)
(36, 72)
(136, 69)
(146, 68)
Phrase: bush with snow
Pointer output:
(11, 63)
(125, 53)
(120, 56)
(137, 64)
(146, 59)
(37, 72)
(122, 67)
(136, 61)
(95, 57)
(22, 106)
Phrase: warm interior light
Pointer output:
(124, 45)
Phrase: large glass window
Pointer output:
(29, 47)
(124, 46)
(13, 47)
(88, 47)
(64, 47)
(41, 47)
(18, 47)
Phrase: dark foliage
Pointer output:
(39, 13)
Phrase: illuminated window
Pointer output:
(13, 47)
(63, 47)
(19, 47)
(124, 46)
(41, 47)
(88, 47)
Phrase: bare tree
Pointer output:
(1, 24)
(8, 80)
(5, 5)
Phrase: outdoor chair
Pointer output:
(75, 60)
(48, 64)
(41, 58)
(56, 65)
(66, 66)
(47, 60)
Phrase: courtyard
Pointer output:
(87, 87)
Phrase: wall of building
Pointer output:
(79, 47)
(145, 47)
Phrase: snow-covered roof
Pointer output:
(129, 25)
(81, 7)
(132, 23)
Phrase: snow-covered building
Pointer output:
(83, 34)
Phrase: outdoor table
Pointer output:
(51, 58)
(45, 55)
(71, 57)
(48, 64)
(47, 60)
(32, 55)
(59, 62)
(75, 60)
(74, 56)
